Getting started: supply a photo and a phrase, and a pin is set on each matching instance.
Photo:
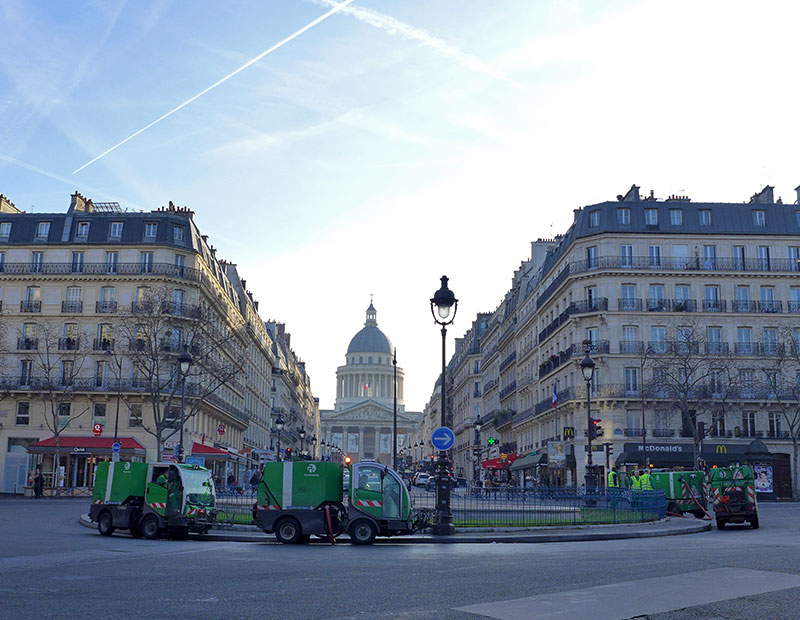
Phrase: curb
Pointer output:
(466, 538)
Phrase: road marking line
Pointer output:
(614, 601)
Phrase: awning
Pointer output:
(682, 455)
(529, 461)
(86, 445)
(499, 463)
(210, 452)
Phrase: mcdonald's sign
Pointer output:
(569, 432)
(721, 449)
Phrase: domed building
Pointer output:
(362, 419)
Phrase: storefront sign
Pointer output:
(78, 450)
(668, 448)
(569, 432)
(98, 429)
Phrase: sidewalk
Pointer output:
(671, 526)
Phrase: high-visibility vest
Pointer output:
(646, 482)
(636, 482)
(612, 479)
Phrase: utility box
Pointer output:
(127, 480)
(294, 485)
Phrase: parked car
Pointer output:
(422, 480)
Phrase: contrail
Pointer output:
(395, 26)
(279, 44)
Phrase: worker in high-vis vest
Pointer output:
(613, 481)
(636, 484)
(645, 481)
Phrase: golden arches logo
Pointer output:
(722, 449)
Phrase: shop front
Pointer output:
(225, 465)
(71, 465)
(498, 469)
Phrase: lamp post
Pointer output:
(476, 451)
(302, 434)
(587, 368)
(313, 447)
(118, 363)
(394, 417)
(184, 363)
(442, 302)
(279, 422)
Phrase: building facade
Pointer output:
(97, 305)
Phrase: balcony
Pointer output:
(714, 305)
(770, 307)
(30, 306)
(663, 432)
(716, 348)
(630, 304)
(794, 306)
(657, 305)
(105, 307)
(744, 305)
(27, 344)
(508, 390)
(180, 309)
(633, 432)
(102, 269)
(69, 344)
(139, 344)
(103, 344)
(71, 307)
(588, 305)
(508, 361)
(778, 435)
(631, 346)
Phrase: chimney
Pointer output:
(632, 195)
(6, 206)
(765, 196)
(797, 189)
(77, 202)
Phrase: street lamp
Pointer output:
(279, 422)
(587, 368)
(313, 447)
(184, 363)
(118, 363)
(442, 302)
(394, 416)
(476, 451)
(302, 434)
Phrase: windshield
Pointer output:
(199, 487)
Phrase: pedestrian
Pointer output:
(255, 479)
(231, 480)
(645, 481)
(613, 479)
(38, 483)
(636, 484)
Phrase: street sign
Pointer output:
(221, 429)
(98, 429)
(443, 438)
(115, 447)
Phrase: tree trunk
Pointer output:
(796, 472)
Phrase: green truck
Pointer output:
(684, 491)
(149, 499)
(303, 498)
(733, 492)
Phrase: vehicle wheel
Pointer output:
(104, 524)
(720, 524)
(698, 513)
(179, 533)
(363, 532)
(150, 527)
(288, 531)
(136, 532)
(304, 538)
(673, 508)
(754, 523)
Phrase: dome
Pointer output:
(370, 339)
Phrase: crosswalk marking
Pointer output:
(614, 601)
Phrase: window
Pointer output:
(71, 331)
(99, 414)
(112, 262)
(23, 413)
(680, 254)
(37, 262)
(32, 293)
(763, 258)
(794, 258)
(594, 219)
(5, 229)
(738, 257)
(770, 341)
(628, 300)
(705, 217)
(759, 218)
(676, 217)
(794, 299)
(713, 340)
(591, 257)
(658, 337)
(768, 303)
(744, 340)
(64, 414)
(651, 217)
(104, 336)
(25, 370)
(42, 230)
(626, 256)
(77, 262)
(774, 424)
(717, 424)
(681, 293)
(631, 381)
(177, 233)
(146, 262)
(709, 257)
(150, 229)
(83, 229)
(749, 423)
(656, 301)
(2, 261)
(180, 263)
(746, 383)
(99, 371)
(134, 416)
(654, 252)
(623, 215)
(67, 372)
(742, 298)
(115, 231)
(592, 334)
(591, 297)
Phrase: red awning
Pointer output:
(209, 452)
(88, 445)
(499, 463)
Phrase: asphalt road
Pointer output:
(51, 567)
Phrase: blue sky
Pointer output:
(393, 142)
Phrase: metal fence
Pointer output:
(235, 505)
(477, 507)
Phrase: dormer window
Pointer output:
(83, 229)
(5, 229)
(759, 218)
(594, 218)
(676, 217)
(150, 229)
(115, 231)
(177, 233)
(42, 230)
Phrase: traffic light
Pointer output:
(347, 460)
(491, 441)
(595, 430)
(288, 454)
(609, 448)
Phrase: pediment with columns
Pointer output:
(368, 411)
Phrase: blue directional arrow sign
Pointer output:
(443, 438)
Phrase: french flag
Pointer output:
(555, 397)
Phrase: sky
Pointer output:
(335, 152)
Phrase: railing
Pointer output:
(103, 344)
(589, 305)
(631, 346)
(490, 385)
(663, 432)
(508, 390)
(27, 344)
(779, 434)
(30, 306)
(141, 306)
(714, 305)
(101, 269)
(633, 432)
(629, 303)
(508, 361)
(488, 355)
(69, 344)
(105, 307)
(71, 307)
(794, 306)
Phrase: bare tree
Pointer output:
(692, 377)
(153, 334)
(781, 378)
